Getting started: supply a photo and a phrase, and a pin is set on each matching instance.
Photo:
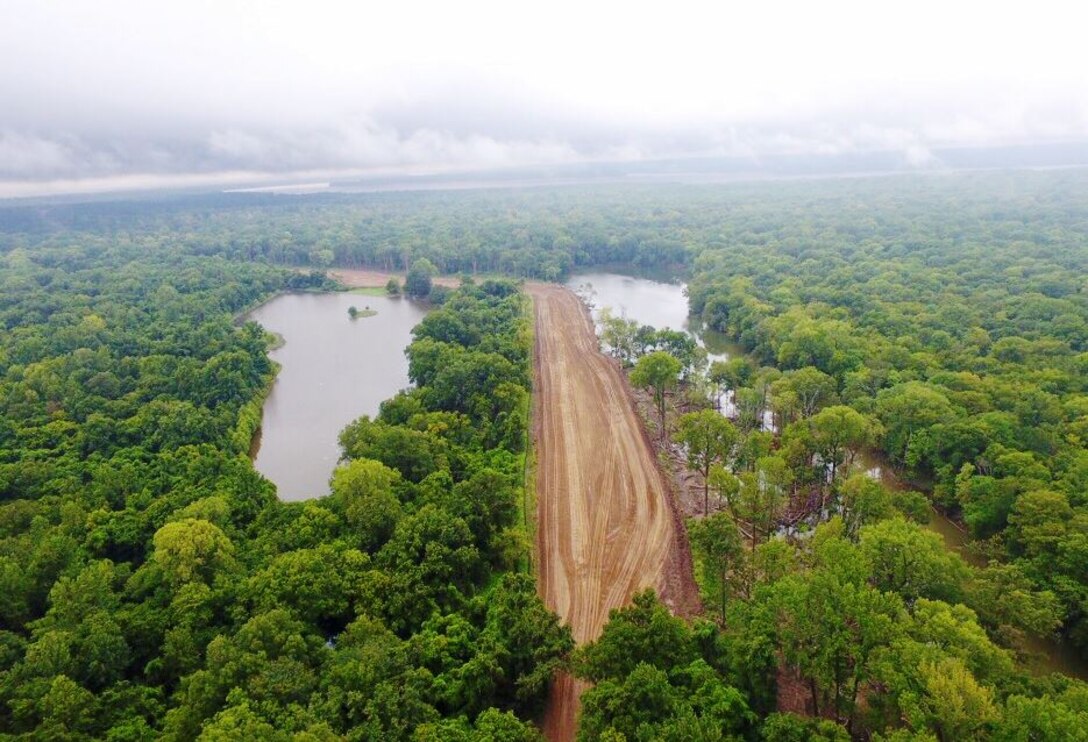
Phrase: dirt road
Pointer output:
(605, 524)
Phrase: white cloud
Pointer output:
(173, 88)
(23, 155)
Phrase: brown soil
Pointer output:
(686, 484)
(793, 695)
(606, 523)
(370, 278)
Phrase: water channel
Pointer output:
(332, 370)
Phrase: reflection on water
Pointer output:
(333, 369)
(718, 345)
(955, 538)
(660, 305)
(648, 302)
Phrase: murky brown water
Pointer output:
(332, 370)
(649, 302)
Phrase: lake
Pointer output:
(649, 302)
(658, 304)
(332, 370)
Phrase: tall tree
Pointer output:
(717, 540)
(762, 496)
(418, 282)
(658, 371)
(709, 439)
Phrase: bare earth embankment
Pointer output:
(364, 278)
(606, 527)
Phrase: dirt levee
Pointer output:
(605, 528)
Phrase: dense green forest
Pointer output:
(546, 232)
(152, 585)
(964, 349)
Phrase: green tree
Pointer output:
(731, 374)
(954, 703)
(526, 640)
(490, 726)
(1040, 718)
(913, 562)
(191, 549)
(659, 372)
(863, 500)
(67, 711)
(830, 628)
(1039, 525)
(628, 708)
(838, 433)
(644, 632)
(619, 336)
(691, 703)
(762, 497)
(363, 489)
(319, 585)
(811, 388)
(718, 542)
(749, 404)
(418, 282)
(240, 722)
(1010, 605)
(908, 409)
(781, 727)
(272, 661)
(708, 438)
(431, 561)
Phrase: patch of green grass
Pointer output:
(368, 290)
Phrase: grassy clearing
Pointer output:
(368, 291)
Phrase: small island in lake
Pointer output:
(355, 313)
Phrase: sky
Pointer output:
(113, 94)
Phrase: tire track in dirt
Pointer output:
(606, 526)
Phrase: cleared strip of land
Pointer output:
(605, 524)
(365, 278)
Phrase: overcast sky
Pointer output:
(99, 94)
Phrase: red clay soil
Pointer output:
(606, 523)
